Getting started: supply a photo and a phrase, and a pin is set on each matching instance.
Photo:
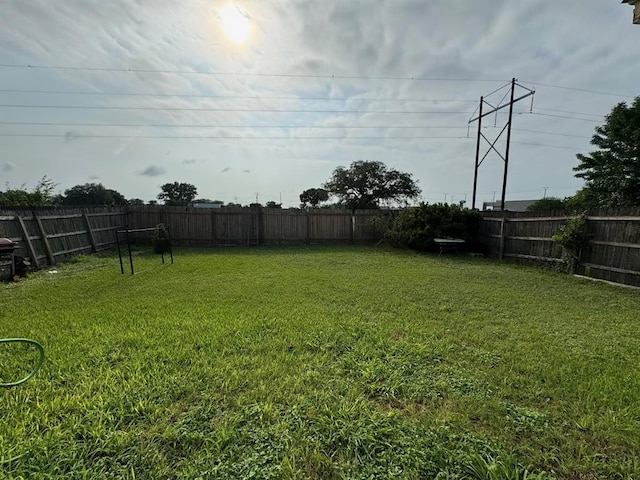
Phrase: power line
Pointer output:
(73, 136)
(559, 116)
(549, 146)
(244, 74)
(169, 125)
(235, 97)
(584, 90)
(572, 113)
(207, 109)
(305, 127)
(549, 133)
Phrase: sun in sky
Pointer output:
(236, 24)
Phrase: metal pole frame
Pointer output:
(119, 252)
(127, 231)
(505, 158)
(475, 172)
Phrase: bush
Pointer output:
(416, 227)
(160, 240)
(574, 238)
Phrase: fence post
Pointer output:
(503, 222)
(27, 240)
(92, 238)
(353, 225)
(45, 240)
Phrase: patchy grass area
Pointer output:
(320, 363)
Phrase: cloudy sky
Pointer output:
(267, 97)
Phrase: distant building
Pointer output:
(509, 205)
(206, 205)
(636, 10)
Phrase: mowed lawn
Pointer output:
(320, 362)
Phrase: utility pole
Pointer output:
(492, 144)
(545, 192)
(506, 156)
(475, 173)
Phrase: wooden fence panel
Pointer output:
(37, 242)
(104, 226)
(614, 248)
(46, 234)
(284, 226)
(364, 228)
(489, 235)
(330, 226)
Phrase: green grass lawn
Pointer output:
(318, 362)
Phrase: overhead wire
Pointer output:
(169, 125)
(234, 97)
(583, 90)
(74, 135)
(244, 74)
(208, 109)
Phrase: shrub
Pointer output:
(574, 238)
(416, 227)
(160, 240)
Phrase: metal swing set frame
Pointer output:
(127, 239)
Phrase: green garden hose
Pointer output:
(20, 382)
(38, 363)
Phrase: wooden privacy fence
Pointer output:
(614, 246)
(46, 235)
(258, 226)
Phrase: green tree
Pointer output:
(272, 204)
(547, 204)
(135, 201)
(612, 173)
(314, 196)
(92, 194)
(41, 195)
(366, 183)
(177, 193)
(582, 200)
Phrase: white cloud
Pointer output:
(152, 171)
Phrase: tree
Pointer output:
(612, 173)
(365, 184)
(272, 204)
(41, 195)
(583, 199)
(547, 204)
(177, 193)
(135, 201)
(92, 194)
(314, 196)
